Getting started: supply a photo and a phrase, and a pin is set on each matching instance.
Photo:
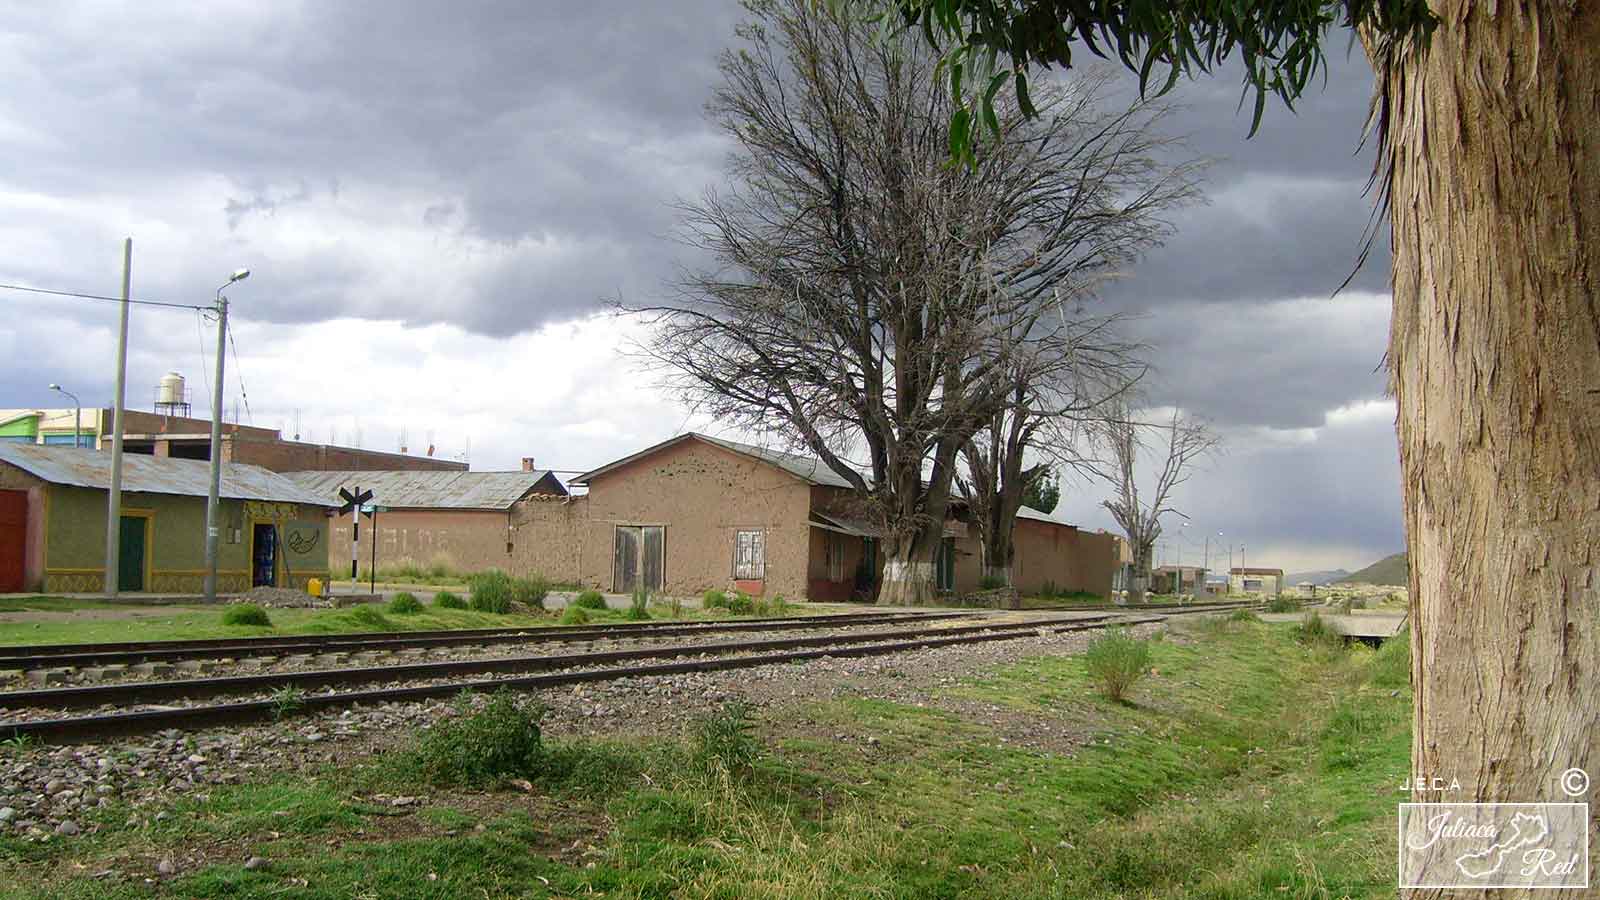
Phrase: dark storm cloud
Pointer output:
(553, 137)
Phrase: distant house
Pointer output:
(53, 524)
(465, 521)
(1243, 580)
(696, 512)
(1178, 580)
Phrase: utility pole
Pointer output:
(212, 501)
(114, 495)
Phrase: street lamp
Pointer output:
(210, 579)
(77, 414)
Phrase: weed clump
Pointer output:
(726, 739)
(367, 616)
(1243, 615)
(405, 603)
(1117, 661)
(1316, 632)
(501, 740)
(738, 603)
(1283, 604)
(530, 590)
(575, 615)
(590, 599)
(638, 607)
(448, 600)
(494, 591)
(246, 614)
(1391, 665)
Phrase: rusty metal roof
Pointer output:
(433, 490)
(146, 474)
(806, 468)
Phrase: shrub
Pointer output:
(1391, 665)
(741, 604)
(501, 740)
(1314, 631)
(491, 591)
(638, 606)
(530, 590)
(246, 614)
(777, 606)
(714, 599)
(1117, 661)
(575, 615)
(1243, 615)
(590, 599)
(447, 600)
(1283, 604)
(405, 603)
(726, 739)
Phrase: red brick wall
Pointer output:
(293, 456)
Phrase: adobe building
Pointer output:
(697, 512)
(463, 521)
(53, 524)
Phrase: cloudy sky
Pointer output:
(435, 199)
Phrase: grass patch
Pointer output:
(477, 747)
(1252, 767)
(590, 599)
(405, 603)
(1283, 604)
(638, 607)
(447, 600)
(575, 615)
(246, 614)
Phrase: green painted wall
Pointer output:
(27, 426)
(76, 530)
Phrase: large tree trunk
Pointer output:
(1139, 574)
(1495, 364)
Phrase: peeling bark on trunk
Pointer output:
(1495, 364)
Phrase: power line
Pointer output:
(238, 375)
(32, 290)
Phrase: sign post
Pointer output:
(352, 505)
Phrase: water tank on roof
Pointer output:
(169, 391)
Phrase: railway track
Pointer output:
(450, 678)
(47, 656)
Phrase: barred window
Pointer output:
(749, 555)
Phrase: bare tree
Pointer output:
(1125, 441)
(866, 296)
(1039, 427)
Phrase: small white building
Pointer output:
(1254, 580)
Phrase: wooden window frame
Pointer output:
(756, 569)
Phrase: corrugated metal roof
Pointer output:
(813, 471)
(1028, 512)
(152, 474)
(428, 490)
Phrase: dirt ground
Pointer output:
(95, 615)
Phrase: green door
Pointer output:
(130, 559)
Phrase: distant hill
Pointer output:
(1328, 576)
(1389, 570)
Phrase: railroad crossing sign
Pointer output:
(351, 501)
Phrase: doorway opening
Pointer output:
(264, 556)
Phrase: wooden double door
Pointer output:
(639, 559)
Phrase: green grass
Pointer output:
(186, 622)
(1245, 766)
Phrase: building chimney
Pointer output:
(527, 464)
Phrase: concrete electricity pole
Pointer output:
(114, 495)
(212, 501)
